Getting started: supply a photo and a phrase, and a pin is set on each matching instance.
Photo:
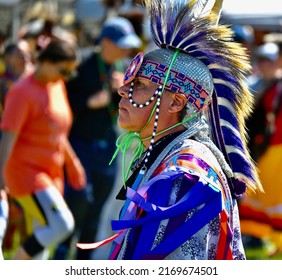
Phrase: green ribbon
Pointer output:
(125, 141)
(123, 144)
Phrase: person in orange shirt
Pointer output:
(34, 149)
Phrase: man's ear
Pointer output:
(178, 102)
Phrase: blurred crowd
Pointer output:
(91, 86)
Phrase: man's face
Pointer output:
(16, 62)
(133, 118)
(111, 52)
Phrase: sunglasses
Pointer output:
(66, 73)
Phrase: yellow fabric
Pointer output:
(31, 212)
(255, 229)
(270, 202)
(2, 66)
(270, 173)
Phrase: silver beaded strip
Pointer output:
(158, 92)
(154, 130)
(195, 128)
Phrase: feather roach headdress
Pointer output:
(210, 69)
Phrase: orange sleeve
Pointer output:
(16, 110)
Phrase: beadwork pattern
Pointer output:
(177, 82)
(158, 92)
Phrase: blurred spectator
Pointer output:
(261, 214)
(17, 65)
(17, 61)
(34, 149)
(245, 35)
(38, 32)
(266, 58)
(93, 98)
(133, 11)
(275, 38)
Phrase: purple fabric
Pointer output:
(190, 197)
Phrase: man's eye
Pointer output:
(138, 84)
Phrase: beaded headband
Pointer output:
(194, 80)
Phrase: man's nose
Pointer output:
(123, 91)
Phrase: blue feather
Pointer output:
(181, 25)
(227, 115)
(241, 165)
